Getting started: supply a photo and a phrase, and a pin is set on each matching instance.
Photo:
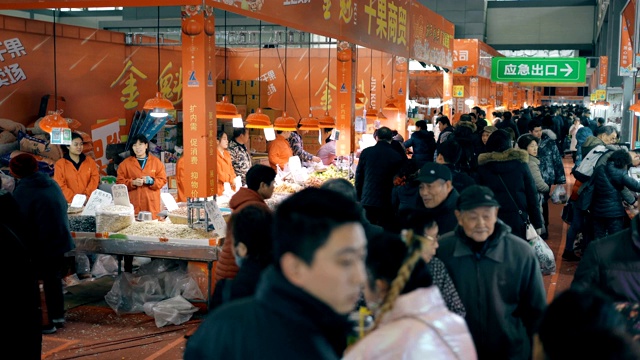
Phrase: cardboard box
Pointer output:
(238, 87)
(272, 113)
(254, 87)
(312, 148)
(240, 99)
(223, 87)
(242, 110)
(255, 101)
(262, 160)
(258, 143)
(219, 97)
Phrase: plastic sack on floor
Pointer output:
(545, 256)
(104, 265)
(175, 310)
(152, 283)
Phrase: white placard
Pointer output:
(169, 201)
(294, 163)
(78, 200)
(269, 134)
(120, 195)
(214, 213)
(98, 198)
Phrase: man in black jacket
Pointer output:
(437, 196)
(374, 179)
(301, 304)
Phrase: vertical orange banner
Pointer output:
(199, 118)
(603, 68)
(346, 97)
(401, 85)
(447, 93)
(473, 90)
(492, 95)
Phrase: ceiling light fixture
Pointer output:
(309, 123)
(258, 119)
(371, 114)
(225, 109)
(285, 122)
(158, 105)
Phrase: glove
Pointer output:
(148, 180)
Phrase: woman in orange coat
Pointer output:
(280, 150)
(226, 174)
(144, 176)
(75, 172)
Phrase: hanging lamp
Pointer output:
(159, 106)
(310, 122)
(224, 108)
(54, 119)
(327, 121)
(390, 104)
(285, 122)
(258, 119)
(372, 114)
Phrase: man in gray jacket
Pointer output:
(497, 276)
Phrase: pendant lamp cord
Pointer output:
(286, 46)
(259, 58)
(309, 73)
(55, 65)
(326, 107)
(158, 46)
(225, 51)
(371, 74)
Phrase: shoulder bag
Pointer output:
(531, 232)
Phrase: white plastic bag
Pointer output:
(175, 310)
(559, 194)
(545, 256)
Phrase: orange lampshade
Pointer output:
(158, 105)
(309, 123)
(53, 120)
(258, 120)
(381, 115)
(225, 109)
(360, 100)
(372, 114)
(285, 123)
(635, 108)
(391, 104)
(326, 121)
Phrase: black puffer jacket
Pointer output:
(608, 182)
(374, 175)
(512, 166)
(424, 146)
(612, 265)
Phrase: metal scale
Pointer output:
(197, 215)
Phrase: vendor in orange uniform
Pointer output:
(279, 150)
(75, 172)
(144, 176)
(226, 174)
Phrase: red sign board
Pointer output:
(431, 37)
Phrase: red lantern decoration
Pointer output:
(209, 28)
(191, 27)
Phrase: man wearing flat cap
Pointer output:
(497, 276)
(437, 196)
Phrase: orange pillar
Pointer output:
(345, 114)
(199, 100)
(447, 93)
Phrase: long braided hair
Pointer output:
(398, 286)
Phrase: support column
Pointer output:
(447, 93)
(199, 100)
(345, 114)
(401, 66)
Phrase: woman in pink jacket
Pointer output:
(411, 318)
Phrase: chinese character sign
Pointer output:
(11, 49)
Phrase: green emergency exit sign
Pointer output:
(548, 70)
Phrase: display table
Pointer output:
(162, 250)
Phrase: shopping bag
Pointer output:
(531, 232)
(545, 256)
(559, 194)
(567, 212)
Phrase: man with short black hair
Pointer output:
(377, 166)
(497, 276)
(301, 304)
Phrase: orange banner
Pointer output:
(603, 72)
(472, 57)
(346, 97)
(431, 37)
(447, 93)
(627, 30)
(566, 91)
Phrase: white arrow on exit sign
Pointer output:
(568, 70)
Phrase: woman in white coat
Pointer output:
(412, 320)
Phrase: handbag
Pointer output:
(567, 212)
(530, 231)
(545, 255)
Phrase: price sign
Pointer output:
(168, 201)
(78, 200)
(214, 213)
(98, 198)
(120, 194)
